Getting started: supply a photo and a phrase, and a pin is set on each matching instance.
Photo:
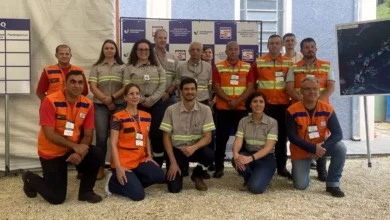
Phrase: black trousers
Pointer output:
(226, 121)
(278, 112)
(203, 155)
(53, 185)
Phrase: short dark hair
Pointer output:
(273, 36)
(133, 58)
(73, 73)
(307, 40)
(129, 86)
(117, 58)
(253, 96)
(206, 48)
(158, 31)
(63, 46)
(288, 35)
(188, 80)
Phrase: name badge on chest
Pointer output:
(234, 79)
(310, 75)
(279, 76)
(313, 131)
(146, 78)
(69, 127)
(139, 139)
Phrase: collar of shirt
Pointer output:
(264, 119)
(183, 108)
(141, 65)
(155, 52)
(315, 63)
(195, 64)
(238, 64)
(269, 58)
(104, 62)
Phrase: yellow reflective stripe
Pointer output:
(210, 82)
(272, 137)
(104, 80)
(170, 74)
(92, 79)
(166, 127)
(239, 90)
(203, 88)
(186, 137)
(265, 84)
(227, 90)
(208, 127)
(240, 134)
(254, 142)
(298, 89)
(280, 85)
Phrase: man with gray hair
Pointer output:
(308, 124)
(200, 71)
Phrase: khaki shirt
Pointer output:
(108, 78)
(169, 62)
(201, 72)
(187, 127)
(151, 90)
(256, 135)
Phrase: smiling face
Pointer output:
(310, 90)
(258, 105)
(109, 50)
(160, 38)
(207, 55)
(63, 56)
(188, 91)
(133, 96)
(143, 52)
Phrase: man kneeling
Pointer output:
(62, 116)
(187, 127)
(308, 124)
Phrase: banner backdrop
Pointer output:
(181, 33)
(214, 34)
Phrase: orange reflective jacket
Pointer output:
(57, 78)
(130, 155)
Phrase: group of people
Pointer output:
(155, 109)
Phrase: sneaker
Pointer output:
(30, 193)
(199, 183)
(335, 191)
(206, 175)
(243, 187)
(322, 176)
(285, 173)
(106, 188)
(211, 167)
(90, 197)
(218, 174)
(100, 174)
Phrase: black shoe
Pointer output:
(211, 167)
(185, 172)
(285, 173)
(79, 176)
(205, 175)
(313, 165)
(322, 176)
(90, 197)
(335, 191)
(218, 174)
(30, 193)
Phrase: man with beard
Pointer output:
(187, 128)
(310, 66)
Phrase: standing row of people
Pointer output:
(182, 130)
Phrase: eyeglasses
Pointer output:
(143, 50)
(133, 94)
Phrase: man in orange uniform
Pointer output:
(271, 71)
(53, 76)
(233, 82)
(62, 116)
(310, 66)
(308, 124)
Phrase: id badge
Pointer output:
(170, 64)
(314, 134)
(312, 128)
(310, 75)
(146, 78)
(279, 79)
(139, 139)
(279, 74)
(68, 132)
(234, 79)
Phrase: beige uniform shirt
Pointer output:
(151, 80)
(169, 62)
(108, 78)
(187, 127)
(256, 135)
(202, 73)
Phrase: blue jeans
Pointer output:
(258, 174)
(102, 125)
(146, 174)
(301, 168)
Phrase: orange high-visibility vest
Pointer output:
(57, 78)
(320, 72)
(302, 118)
(271, 78)
(225, 71)
(130, 155)
(64, 113)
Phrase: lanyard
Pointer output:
(193, 71)
(74, 109)
(138, 128)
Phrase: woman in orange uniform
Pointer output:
(133, 168)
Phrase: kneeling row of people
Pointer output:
(187, 128)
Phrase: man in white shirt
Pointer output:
(289, 43)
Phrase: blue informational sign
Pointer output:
(15, 57)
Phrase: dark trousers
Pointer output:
(146, 174)
(53, 185)
(278, 112)
(155, 134)
(226, 120)
(102, 125)
(203, 155)
(321, 164)
(258, 174)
